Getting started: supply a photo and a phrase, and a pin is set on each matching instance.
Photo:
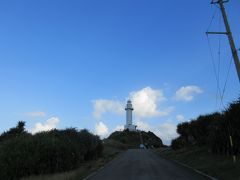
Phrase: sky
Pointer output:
(75, 63)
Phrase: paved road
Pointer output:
(139, 164)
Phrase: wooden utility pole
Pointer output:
(233, 48)
(229, 34)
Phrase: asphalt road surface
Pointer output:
(140, 164)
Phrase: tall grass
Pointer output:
(23, 154)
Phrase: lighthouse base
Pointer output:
(130, 127)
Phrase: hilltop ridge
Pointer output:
(132, 139)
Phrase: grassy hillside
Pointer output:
(219, 166)
(112, 148)
(132, 139)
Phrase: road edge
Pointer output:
(104, 166)
(186, 166)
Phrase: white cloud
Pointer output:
(143, 126)
(36, 114)
(186, 93)
(50, 124)
(145, 103)
(101, 129)
(118, 128)
(102, 106)
(166, 131)
(180, 118)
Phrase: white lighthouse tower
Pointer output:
(129, 109)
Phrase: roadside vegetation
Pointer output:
(219, 131)
(23, 154)
(215, 165)
(111, 149)
(210, 143)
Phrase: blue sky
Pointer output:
(58, 59)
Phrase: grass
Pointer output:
(79, 173)
(218, 166)
(83, 171)
(111, 150)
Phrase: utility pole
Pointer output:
(233, 49)
(229, 34)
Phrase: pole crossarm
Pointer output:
(217, 2)
(216, 33)
(228, 33)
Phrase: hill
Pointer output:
(133, 139)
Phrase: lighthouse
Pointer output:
(129, 109)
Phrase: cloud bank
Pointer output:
(101, 129)
(145, 103)
(36, 114)
(148, 103)
(180, 118)
(102, 106)
(166, 131)
(186, 93)
(48, 125)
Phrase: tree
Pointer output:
(17, 131)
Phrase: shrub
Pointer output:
(23, 154)
(212, 130)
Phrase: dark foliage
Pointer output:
(23, 154)
(17, 131)
(132, 138)
(212, 130)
